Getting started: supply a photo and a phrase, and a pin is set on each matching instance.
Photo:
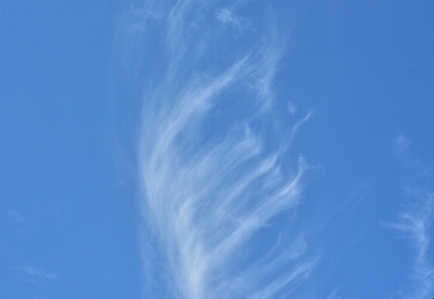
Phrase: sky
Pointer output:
(216, 149)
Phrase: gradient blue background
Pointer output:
(68, 120)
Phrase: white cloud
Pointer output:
(14, 215)
(37, 276)
(38, 272)
(292, 108)
(414, 224)
(230, 18)
(402, 143)
(333, 295)
(206, 198)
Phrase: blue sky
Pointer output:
(216, 149)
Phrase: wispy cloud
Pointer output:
(36, 276)
(212, 188)
(228, 17)
(17, 217)
(333, 295)
(292, 108)
(414, 224)
(37, 273)
(402, 143)
(132, 28)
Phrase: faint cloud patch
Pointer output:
(414, 165)
(37, 272)
(402, 143)
(133, 25)
(292, 108)
(414, 224)
(36, 276)
(333, 295)
(230, 18)
(120, 182)
(15, 216)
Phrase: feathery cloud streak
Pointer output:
(37, 273)
(414, 224)
(211, 185)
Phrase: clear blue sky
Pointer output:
(216, 149)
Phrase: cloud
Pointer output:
(17, 217)
(414, 224)
(230, 18)
(38, 273)
(292, 108)
(132, 29)
(37, 276)
(212, 188)
(402, 143)
(333, 295)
